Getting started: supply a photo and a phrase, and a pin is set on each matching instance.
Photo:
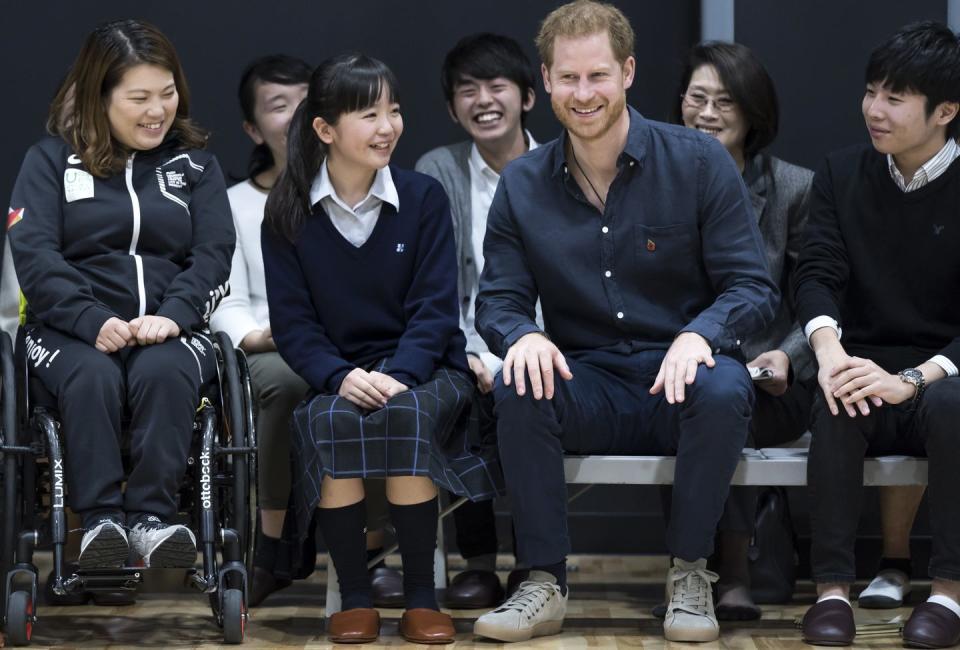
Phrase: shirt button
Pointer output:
(565, 170)
(619, 314)
(607, 273)
(632, 162)
(604, 230)
(738, 341)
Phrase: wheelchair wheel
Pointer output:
(234, 616)
(20, 618)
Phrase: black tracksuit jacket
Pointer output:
(156, 238)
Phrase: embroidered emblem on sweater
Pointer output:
(401, 247)
(937, 229)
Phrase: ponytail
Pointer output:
(289, 202)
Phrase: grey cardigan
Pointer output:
(781, 193)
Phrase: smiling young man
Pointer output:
(639, 240)
(876, 288)
(488, 84)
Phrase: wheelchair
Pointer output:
(218, 495)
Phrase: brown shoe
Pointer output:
(426, 626)
(386, 587)
(474, 590)
(931, 625)
(829, 622)
(360, 625)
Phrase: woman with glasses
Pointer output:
(728, 94)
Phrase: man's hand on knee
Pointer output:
(679, 367)
(538, 356)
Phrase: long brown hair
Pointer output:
(78, 112)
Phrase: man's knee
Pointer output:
(940, 406)
(726, 386)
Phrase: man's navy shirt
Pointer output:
(676, 249)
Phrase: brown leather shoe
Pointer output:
(386, 587)
(931, 625)
(426, 626)
(360, 625)
(829, 622)
(474, 590)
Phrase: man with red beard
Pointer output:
(640, 242)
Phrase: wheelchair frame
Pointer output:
(221, 470)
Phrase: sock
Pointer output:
(823, 598)
(486, 562)
(558, 571)
(416, 527)
(946, 601)
(904, 565)
(344, 531)
(372, 553)
(267, 550)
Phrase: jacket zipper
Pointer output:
(135, 239)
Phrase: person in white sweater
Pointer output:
(270, 90)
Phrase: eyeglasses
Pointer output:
(700, 100)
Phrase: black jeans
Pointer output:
(835, 475)
(606, 409)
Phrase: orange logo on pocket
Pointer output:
(651, 246)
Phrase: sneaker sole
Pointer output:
(880, 602)
(176, 552)
(691, 636)
(492, 631)
(107, 550)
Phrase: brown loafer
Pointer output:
(931, 625)
(474, 590)
(386, 587)
(360, 625)
(426, 626)
(829, 622)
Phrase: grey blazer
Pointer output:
(451, 166)
(781, 193)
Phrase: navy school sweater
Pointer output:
(335, 307)
(884, 263)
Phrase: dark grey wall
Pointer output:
(816, 52)
(215, 40)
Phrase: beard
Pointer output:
(596, 129)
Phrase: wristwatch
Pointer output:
(915, 377)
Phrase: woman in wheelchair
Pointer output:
(121, 237)
(361, 285)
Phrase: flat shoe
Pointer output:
(359, 625)
(423, 625)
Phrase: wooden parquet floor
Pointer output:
(611, 598)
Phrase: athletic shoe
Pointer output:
(690, 615)
(887, 591)
(164, 545)
(104, 545)
(536, 609)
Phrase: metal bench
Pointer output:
(785, 466)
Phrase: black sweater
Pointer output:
(154, 239)
(884, 263)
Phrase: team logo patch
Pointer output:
(14, 216)
(73, 159)
(176, 180)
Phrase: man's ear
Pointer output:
(323, 130)
(453, 115)
(545, 73)
(629, 69)
(251, 129)
(945, 112)
(530, 100)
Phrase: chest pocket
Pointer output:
(672, 249)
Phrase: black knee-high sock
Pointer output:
(344, 531)
(417, 536)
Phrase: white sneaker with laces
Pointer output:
(537, 608)
(104, 545)
(690, 615)
(887, 591)
(164, 545)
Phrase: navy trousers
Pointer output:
(607, 409)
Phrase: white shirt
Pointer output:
(483, 185)
(245, 309)
(928, 172)
(355, 223)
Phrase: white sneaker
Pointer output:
(537, 608)
(690, 615)
(104, 545)
(164, 545)
(887, 591)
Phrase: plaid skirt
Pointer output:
(429, 430)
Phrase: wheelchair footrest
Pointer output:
(126, 578)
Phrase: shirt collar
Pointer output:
(635, 147)
(930, 169)
(476, 159)
(383, 188)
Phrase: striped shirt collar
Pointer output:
(929, 171)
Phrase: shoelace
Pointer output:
(692, 597)
(529, 598)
